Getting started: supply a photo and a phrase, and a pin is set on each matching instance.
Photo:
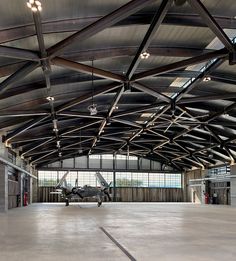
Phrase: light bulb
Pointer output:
(50, 98)
(34, 9)
(38, 3)
(144, 55)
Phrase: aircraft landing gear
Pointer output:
(67, 202)
(99, 203)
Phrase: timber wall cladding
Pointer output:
(13, 191)
(222, 191)
(193, 174)
(124, 195)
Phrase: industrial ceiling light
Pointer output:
(207, 79)
(54, 123)
(7, 144)
(93, 109)
(80, 146)
(50, 98)
(211, 156)
(55, 129)
(226, 114)
(144, 55)
(58, 144)
(108, 121)
(35, 6)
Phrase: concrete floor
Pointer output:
(148, 231)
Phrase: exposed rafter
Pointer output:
(147, 108)
(181, 64)
(103, 23)
(18, 75)
(212, 24)
(155, 24)
(87, 69)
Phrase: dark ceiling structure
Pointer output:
(149, 78)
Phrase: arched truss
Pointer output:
(164, 108)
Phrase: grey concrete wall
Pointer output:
(35, 188)
(3, 188)
(233, 186)
(194, 194)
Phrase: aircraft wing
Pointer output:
(57, 191)
(62, 180)
(101, 180)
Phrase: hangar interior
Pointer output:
(140, 91)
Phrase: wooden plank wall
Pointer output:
(13, 191)
(221, 188)
(125, 195)
(193, 174)
(222, 191)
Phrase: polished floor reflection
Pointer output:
(146, 231)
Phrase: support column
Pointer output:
(30, 193)
(233, 185)
(3, 180)
(20, 188)
(114, 186)
(203, 186)
(35, 187)
(3, 188)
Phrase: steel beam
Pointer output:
(18, 75)
(4, 161)
(126, 122)
(42, 157)
(39, 33)
(75, 114)
(115, 101)
(130, 50)
(151, 92)
(224, 78)
(155, 24)
(154, 106)
(81, 127)
(198, 79)
(73, 25)
(18, 53)
(79, 67)
(212, 24)
(220, 141)
(103, 23)
(181, 64)
(37, 145)
(86, 97)
(17, 113)
(25, 127)
(225, 96)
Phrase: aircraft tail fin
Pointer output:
(101, 180)
(62, 182)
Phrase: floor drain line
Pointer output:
(118, 244)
